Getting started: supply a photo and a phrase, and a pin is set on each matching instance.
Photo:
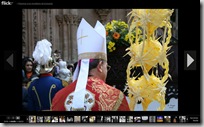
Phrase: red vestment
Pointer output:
(99, 97)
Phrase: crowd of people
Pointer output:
(36, 74)
(49, 84)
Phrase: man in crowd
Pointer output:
(42, 90)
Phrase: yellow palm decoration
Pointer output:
(148, 54)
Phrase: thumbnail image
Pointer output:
(70, 119)
(39, 119)
(107, 119)
(84, 119)
(77, 119)
(183, 119)
(12, 117)
(47, 119)
(99, 119)
(160, 119)
(129, 119)
(174, 119)
(122, 119)
(145, 119)
(62, 119)
(32, 119)
(8, 117)
(114, 119)
(18, 118)
(92, 119)
(137, 119)
(167, 119)
(152, 119)
(54, 119)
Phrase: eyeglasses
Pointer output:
(108, 67)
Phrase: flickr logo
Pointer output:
(6, 3)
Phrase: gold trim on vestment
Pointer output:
(118, 102)
(109, 98)
(93, 55)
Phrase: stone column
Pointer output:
(74, 26)
(49, 25)
(35, 25)
(72, 21)
(59, 19)
(54, 29)
(65, 48)
(102, 13)
(42, 21)
(31, 30)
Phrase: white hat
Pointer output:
(42, 55)
(91, 45)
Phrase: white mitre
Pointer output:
(91, 44)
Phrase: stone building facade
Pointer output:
(59, 26)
